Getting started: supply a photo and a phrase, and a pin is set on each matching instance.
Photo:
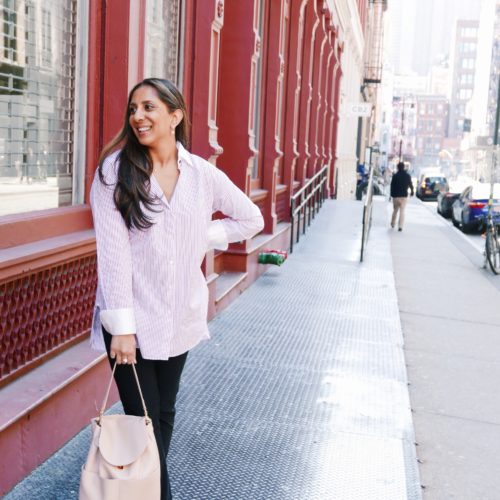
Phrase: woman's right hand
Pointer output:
(123, 348)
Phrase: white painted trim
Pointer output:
(80, 113)
(351, 27)
(134, 56)
(182, 34)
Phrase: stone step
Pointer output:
(43, 409)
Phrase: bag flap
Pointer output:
(123, 438)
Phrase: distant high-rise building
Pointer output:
(432, 124)
(439, 79)
(402, 31)
(463, 66)
(481, 109)
(422, 31)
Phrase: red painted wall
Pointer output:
(235, 93)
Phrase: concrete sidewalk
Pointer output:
(302, 391)
(450, 313)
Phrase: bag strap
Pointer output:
(104, 403)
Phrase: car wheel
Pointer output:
(466, 227)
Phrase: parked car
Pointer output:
(468, 208)
(430, 186)
(446, 199)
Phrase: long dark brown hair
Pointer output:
(135, 165)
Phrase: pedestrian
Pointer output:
(152, 203)
(400, 183)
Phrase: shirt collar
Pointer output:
(183, 155)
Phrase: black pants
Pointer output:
(159, 383)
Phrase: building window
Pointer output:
(10, 30)
(467, 47)
(469, 32)
(467, 79)
(46, 37)
(468, 63)
(161, 58)
(255, 112)
(465, 94)
(37, 102)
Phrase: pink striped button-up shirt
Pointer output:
(150, 282)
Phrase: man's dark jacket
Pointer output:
(401, 182)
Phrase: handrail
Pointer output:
(307, 201)
(367, 213)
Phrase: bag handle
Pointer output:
(103, 407)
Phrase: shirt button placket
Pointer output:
(170, 236)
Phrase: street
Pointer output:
(475, 239)
(450, 321)
(17, 197)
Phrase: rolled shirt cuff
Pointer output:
(217, 236)
(118, 321)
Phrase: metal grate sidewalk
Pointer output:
(301, 393)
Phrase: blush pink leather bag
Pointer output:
(123, 461)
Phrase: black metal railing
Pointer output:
(306, 202)
(367, 213)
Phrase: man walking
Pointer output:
(401, 182)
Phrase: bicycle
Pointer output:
(492, 244)
(492, 221)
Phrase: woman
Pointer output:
(152, 204)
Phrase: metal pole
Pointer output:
(494, 156)
(497, 118)
(402, 130)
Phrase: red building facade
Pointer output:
(261, 80)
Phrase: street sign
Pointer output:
(359, 108)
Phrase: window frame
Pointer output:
(79, 114)
(259, 106)
(95, 126)
(12, 226)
